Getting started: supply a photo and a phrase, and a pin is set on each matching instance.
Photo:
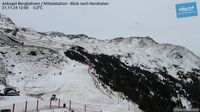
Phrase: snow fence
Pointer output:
(38, 105)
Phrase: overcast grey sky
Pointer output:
(155, 18)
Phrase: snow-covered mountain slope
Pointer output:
(35, 64)
(156, 76)
(136, 51)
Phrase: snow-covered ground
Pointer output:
(56, 110)
(74, 83)
(40, 69)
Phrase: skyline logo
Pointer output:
(186, 10)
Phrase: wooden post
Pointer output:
(26, 104)
(85, 108)
(37, 106)
(59, 103)
(70, 104)
(13, 109)
(50, 104)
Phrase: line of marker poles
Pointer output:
(26, 106)
(50, 105)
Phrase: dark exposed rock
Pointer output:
(32, 53)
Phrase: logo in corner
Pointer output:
(186, 10)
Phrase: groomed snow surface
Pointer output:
(56, 110)
(74, 83)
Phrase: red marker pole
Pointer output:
(85, 108)
(50, 103)
(13, 109)
(26, 106)
(59, 103)
(70, 104)
(37, 106)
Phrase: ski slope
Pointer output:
(74, 83)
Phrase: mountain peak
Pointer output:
(137, 41)
(5, 20)
(56, 34)
(70, 36)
